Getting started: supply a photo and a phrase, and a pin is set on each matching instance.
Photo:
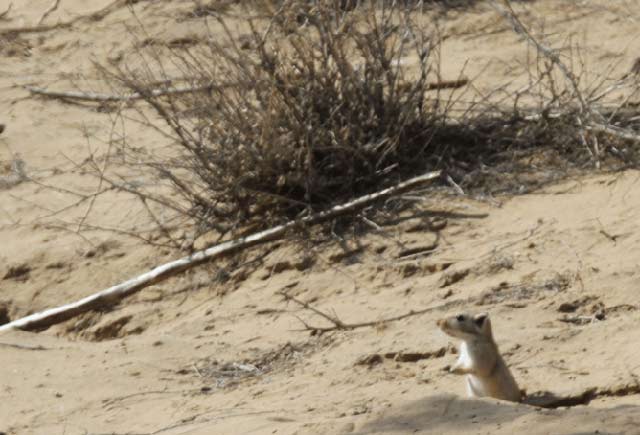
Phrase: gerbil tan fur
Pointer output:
(479, 358)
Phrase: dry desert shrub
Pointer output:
(321, 103)
(298, 115)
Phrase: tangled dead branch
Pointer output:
(588, 118)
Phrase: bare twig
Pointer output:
(114, 294)
(23, 346)
(614, 131)
(579, 320)
(92, 96)
(612, 237)
(339, 325)
(5, 14)
(100, 182)
(447, 84)
(49, 11)
(454, 185)
(114, 400)
(94, 16)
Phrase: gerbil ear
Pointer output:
(483, 323)
(481, 319)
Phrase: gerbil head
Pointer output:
(467, 326)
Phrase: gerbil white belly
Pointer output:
(464, 359)
(475, 387)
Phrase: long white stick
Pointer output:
(97, 97)
(113, 294)
(92, 96)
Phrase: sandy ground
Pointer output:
(557, 270)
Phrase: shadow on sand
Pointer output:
(447, 413)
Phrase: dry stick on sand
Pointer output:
(5, 14)
(91, 96)
(340, 325)
(23, 347)
(94, 16)
(447, 84)
(114, 294)
(614, 131)
(49, 11)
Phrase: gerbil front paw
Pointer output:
(458, 369)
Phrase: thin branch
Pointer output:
(23, 346)
(94, 16)
(5, 14)
(447, 84)
(49, 11)
(157, 221)
(614, 131)
(97, 97)
(100, 182)
(339, 325)
(454, 185)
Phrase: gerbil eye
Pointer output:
(460, 318)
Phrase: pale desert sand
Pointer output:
(197, 356)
